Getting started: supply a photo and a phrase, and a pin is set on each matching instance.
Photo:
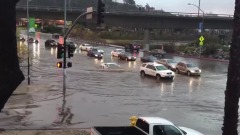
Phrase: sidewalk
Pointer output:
(201, 58)
(47, 132)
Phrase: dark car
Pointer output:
(149, 58)
(157, 53)
(132, 47)
(22, 39)
(51, 43)
(94, 53)
(72, 44)
(126, 56)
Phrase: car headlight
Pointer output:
(192, 71)
(200, 70)
(134, 57)
(173, 66)
(101, 54)
(129, 57)
(96, 55)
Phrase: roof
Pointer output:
(156, 120)
(154, 64)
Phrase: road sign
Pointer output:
(89, 16)
(201, 39)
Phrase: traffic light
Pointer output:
(69, 64)
(60, 64)
(71, 50)
(100, 11)
(60, 51)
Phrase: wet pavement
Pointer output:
(97, 98)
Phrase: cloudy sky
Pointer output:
(208, 6)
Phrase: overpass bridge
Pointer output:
(137, 19)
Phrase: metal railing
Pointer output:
(128, 12)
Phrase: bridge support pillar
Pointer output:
(146, 40)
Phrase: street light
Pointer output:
(28, 26)
(202, 15)
(201, 28)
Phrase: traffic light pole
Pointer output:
(65, 49)
(65, 56)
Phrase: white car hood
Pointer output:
(164, 71)
(190, 131)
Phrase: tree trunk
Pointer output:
(10, 74)
(230, 123)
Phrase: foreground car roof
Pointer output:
(157, 120)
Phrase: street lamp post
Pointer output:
(202, 26)
(199, 4)
(28, 26)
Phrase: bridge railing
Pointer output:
(126, 12)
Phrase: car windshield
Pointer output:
(159, 68)
(119, 50)
(128, 54)
(152, 58)
(190, 65)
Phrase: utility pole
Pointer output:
(64, 57)
(28, 26)
(199, 4)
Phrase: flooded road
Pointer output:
(97, 98)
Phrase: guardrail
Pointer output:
(128, 12)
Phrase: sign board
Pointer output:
(31, 25)
(89, 10)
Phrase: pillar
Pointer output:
(146, 40)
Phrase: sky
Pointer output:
(208, 6)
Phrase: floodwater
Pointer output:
(108, 98)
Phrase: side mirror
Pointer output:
(183, 131)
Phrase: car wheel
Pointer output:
(142, 73)
(158, 77)
(177, 71)
(188, 73)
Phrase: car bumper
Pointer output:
(195, 73)
(167, 76)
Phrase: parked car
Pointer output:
(145, 126)
(110, 66)
(169, 63)
(157, 53)
(149, 58)
(187, 68)
(116, 52)
(51, 43)
(126, 56)
(132, 47)
(94, 53)
(85, 47)
(156, 70)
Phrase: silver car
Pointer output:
(187, 68)
(169, 63)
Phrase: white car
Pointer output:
(110, 66)
(156, 70)
(116, 52)
(85, 47)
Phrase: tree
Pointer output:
(230, 123)
(10, 74)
